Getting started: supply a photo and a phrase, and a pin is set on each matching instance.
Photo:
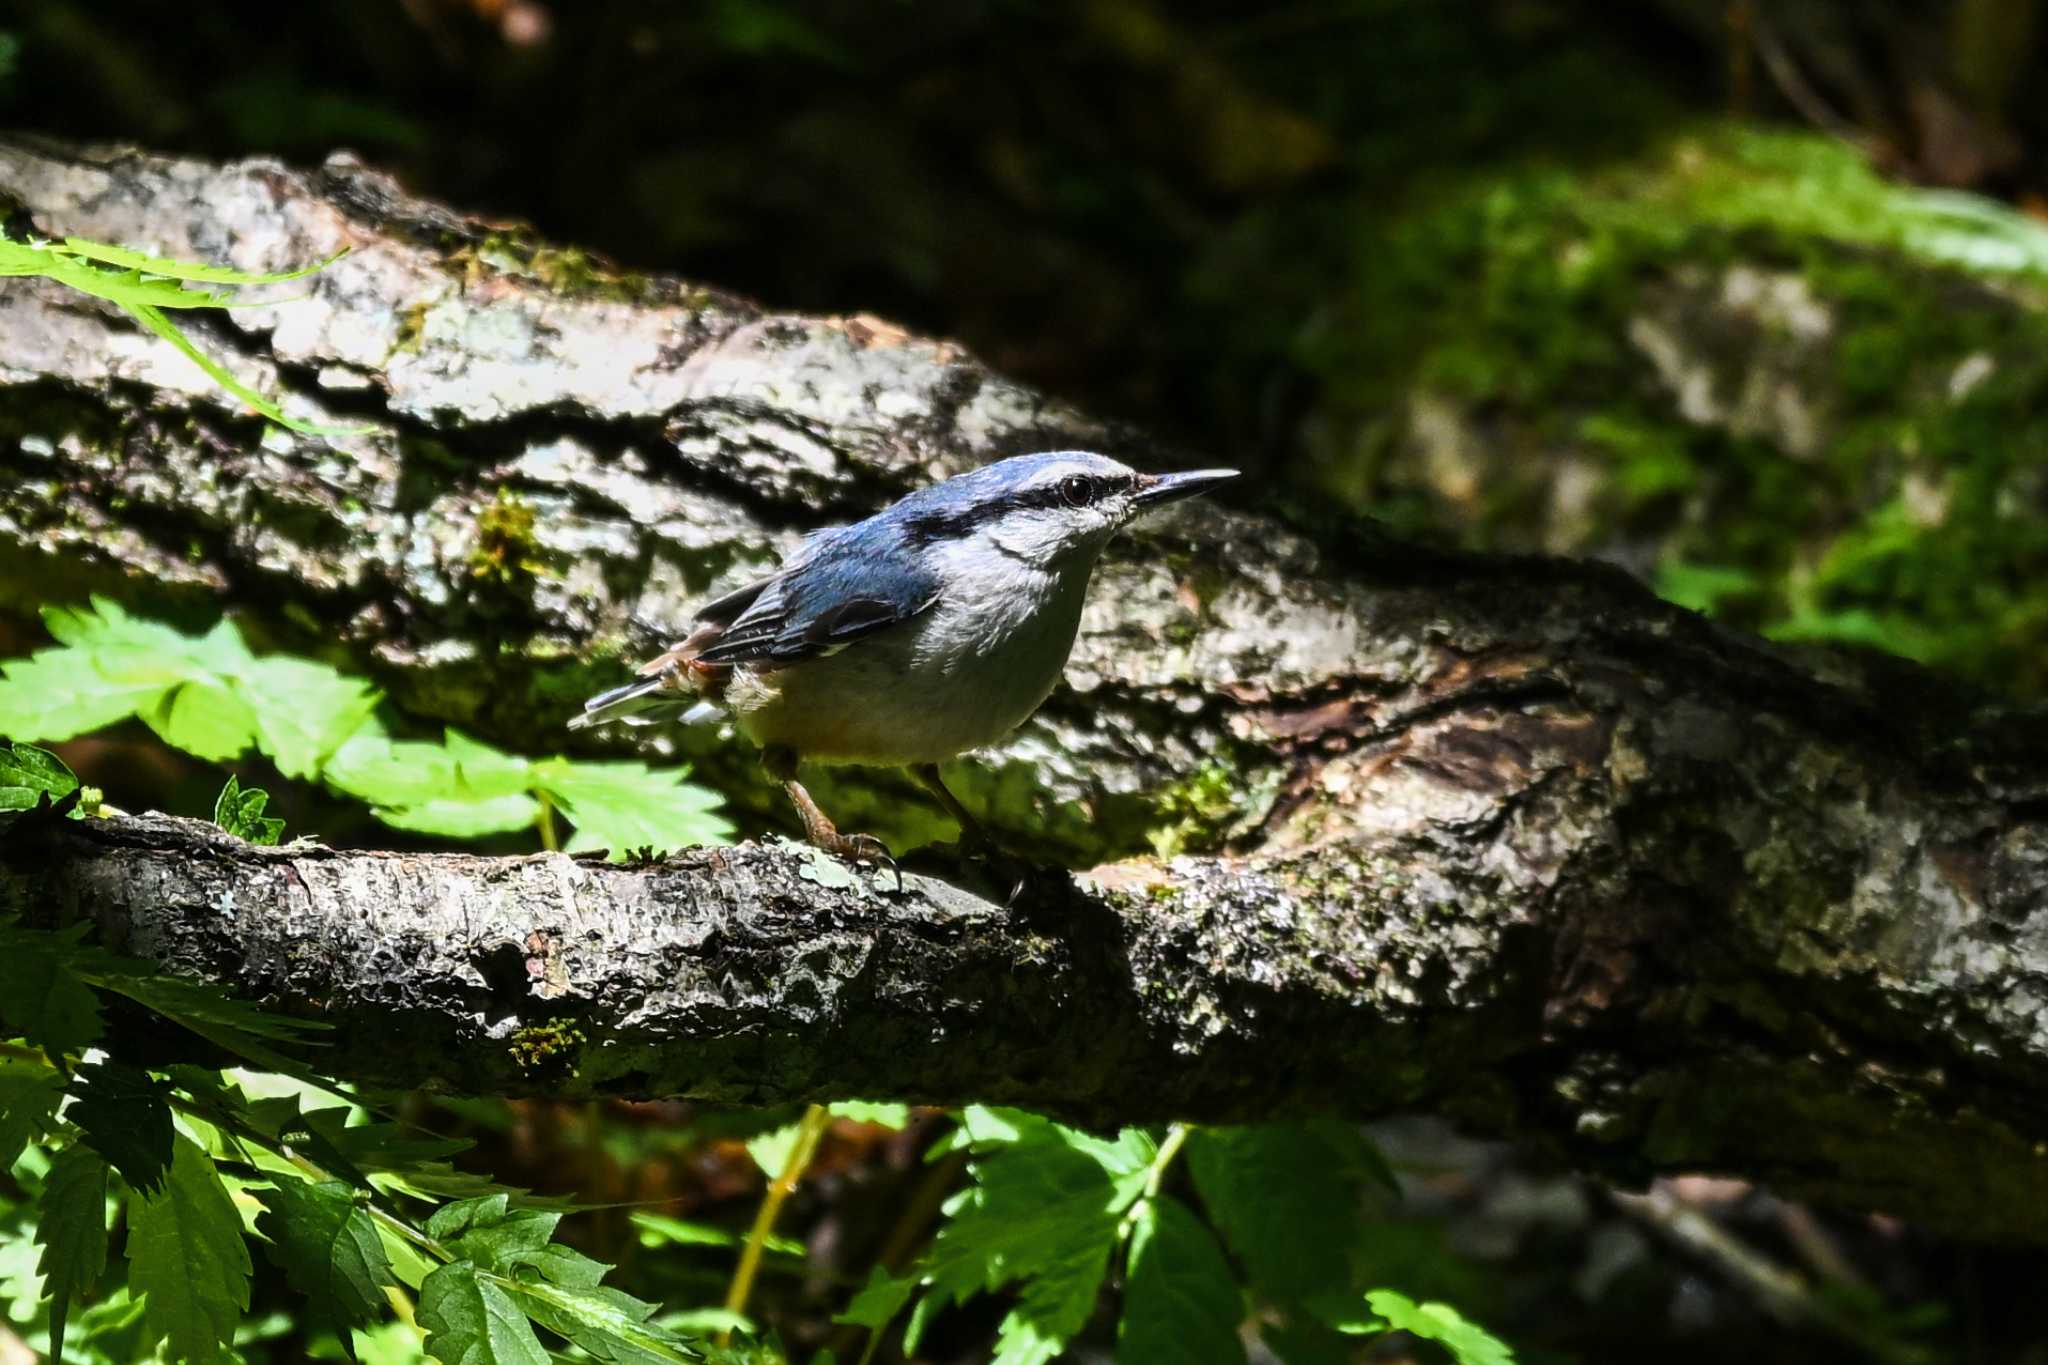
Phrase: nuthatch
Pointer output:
(934, 627)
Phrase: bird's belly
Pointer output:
(903, 698)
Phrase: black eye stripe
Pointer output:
(934, 527)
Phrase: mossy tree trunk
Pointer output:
(1510, 839)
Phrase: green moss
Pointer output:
(506, 551)
(1510, 299)
(545, 1044)
(1197, 812)
(563, 270)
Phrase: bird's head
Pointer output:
(1047, 508)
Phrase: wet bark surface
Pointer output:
(1509, 839)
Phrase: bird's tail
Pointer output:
(665, 686)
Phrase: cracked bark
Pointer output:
(1506, 838)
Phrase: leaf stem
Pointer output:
(809, 1129)
(549, 840)
(1169, 1148)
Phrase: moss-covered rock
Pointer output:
(1780, 387)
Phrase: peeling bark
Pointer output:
(1508, 838)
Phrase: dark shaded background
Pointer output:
(1403, 257)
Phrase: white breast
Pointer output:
(957, 678)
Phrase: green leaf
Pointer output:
(28, 1098)
(483, 771)
(305, 711)
(658, 1229)
(1287, 1198)
(187, 1255)
(206, 719)
(42, 1000)
(111, 667)
(1180, 1303)
(374, 1146)
(27, 774)
(240, 813)
(771, 1150)
(329, 1249)
(621, 806)
(471, 1321)
(500, 1238)
(1468, 1343)
(72, 1229)
(187, 270)
(50, 696)
(864, 1111)
(149, 316)
(610, 1325)
(1045, 1207)
(879, 1300)
(462, 818)
(121, 1114)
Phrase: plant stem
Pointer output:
(809, 1129)
(1176, 1138)
(549, 840)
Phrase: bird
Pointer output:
(931, 629)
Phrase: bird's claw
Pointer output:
(864, 848)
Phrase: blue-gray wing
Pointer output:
(842, 586)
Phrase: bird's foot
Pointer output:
(820, 832)
(858, 848)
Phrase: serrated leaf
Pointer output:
(471, 1321)
(879, 1300)
(557, 1286)
(611, 1325)
(207, 719)
(398, 772)
(239, 811)
(49, 696)
(621, 806)
(188, 1258)
(1056, 1302)
(374, 1146)
(1047, 1205)
(42, 1000)
(1287, 1198)
(28, 1099)
(1181, 1302)
(483, 771)
(27, 774)
(464, 819)
(329, 1249)
(121, 1113)
(888, 1115)
(72, 1229)
(1468, 1343)
(305, 711)
(488, 1229)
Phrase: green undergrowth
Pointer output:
(1904, 331)
(212, 697)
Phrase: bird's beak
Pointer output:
(1155, 490)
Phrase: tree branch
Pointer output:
(1510, 839)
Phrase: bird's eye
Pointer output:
(1076, 491)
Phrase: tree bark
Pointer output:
(1508, 839)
